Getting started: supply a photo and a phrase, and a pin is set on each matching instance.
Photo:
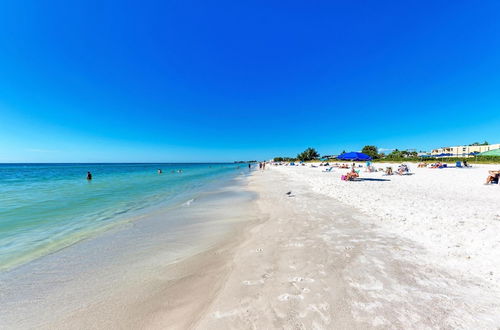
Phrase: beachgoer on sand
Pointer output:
(493, 177)
(351, 175)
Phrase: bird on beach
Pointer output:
(289, 193)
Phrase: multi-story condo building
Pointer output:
(464, 151)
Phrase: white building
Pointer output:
(464, 151)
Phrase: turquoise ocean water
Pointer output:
(46, 207)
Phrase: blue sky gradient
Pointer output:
(105, 81)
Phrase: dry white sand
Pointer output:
(450, 212)
(320, 263)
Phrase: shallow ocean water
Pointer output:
(46, 207)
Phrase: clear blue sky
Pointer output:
(86, 81)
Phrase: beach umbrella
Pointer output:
(356, 156)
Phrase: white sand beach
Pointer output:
(447, 211)
(413, 252)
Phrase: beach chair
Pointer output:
(458, 164)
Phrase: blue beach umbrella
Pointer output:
(356, 156)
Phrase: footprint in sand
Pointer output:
(220, 315)
(294, 244)
(249, 282)
(300, 279)
(287, 297)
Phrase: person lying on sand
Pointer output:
(437, 165)
(493, 177)
(422, 165)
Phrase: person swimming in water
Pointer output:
(160, 171)
(89, 176)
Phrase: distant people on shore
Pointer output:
(89, 176)
(260, 166)
(249, 166)
(437, 165)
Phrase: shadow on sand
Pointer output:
(370, 179)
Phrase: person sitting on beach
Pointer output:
(465, 163)
(403, 169)
(388, 171)
(493, 177)
(437, 165)
(370, 169)
(351, 175)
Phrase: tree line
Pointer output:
(372, 151)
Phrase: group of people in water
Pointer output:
(172, 171)
(159, 171)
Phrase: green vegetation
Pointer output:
(308, 154)
(396, 156)
(485, 143)
(284, 159)
(371, 151)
